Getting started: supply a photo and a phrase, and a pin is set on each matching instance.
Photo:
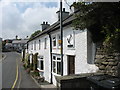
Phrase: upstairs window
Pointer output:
(32, 46)
(45, 43)
(59, 40)
(54, 41)
(39, 44)
(35, 45)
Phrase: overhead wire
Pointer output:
(69, 5)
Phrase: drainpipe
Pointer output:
(51, 56)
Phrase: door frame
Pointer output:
(68, 64)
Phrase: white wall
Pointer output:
(83, 51)
(44, 52)
(80, 51)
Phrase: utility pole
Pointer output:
(61, 31)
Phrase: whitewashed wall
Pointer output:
(83, 50)
(44, 52)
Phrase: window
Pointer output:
(59, 40)
(35, 45)
(57, 64)
(32, 46)
(45, 43)
(40, 63)
(39, 44)
(54, 41)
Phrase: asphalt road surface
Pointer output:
(13, 73)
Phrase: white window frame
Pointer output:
(34, 45)
(39, 67)
(58, 38)
(39, 44)
(56, 61)
(53, 41)
(45, 43)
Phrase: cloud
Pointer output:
(23, 19)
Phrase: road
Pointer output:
(0, 71)
(13, 73)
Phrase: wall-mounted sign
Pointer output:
(70, 40)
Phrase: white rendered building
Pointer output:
(78, 50)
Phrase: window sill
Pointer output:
(40, 70)
(56, 74)
(70, 48)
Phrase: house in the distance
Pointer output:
(78, 50)
(19, 44)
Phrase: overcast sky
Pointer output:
(23, 18)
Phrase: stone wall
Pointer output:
(107, 63)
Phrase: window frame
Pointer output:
(39, 44)
(55, 67)
(54, 41)
(45, 43)
(58, 38)
(34, 45)
(41, 68)
(31, 45)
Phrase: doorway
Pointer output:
(71, 64)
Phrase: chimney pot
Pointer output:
(63, 9)
(46, 23)
(43, 22)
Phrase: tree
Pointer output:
(102, 19)
(34, 34)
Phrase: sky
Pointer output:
(23, 18)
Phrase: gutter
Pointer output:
(51, 56)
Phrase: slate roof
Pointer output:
(67, 21)
(19, 41)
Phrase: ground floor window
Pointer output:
(40, 65)
(57, 64)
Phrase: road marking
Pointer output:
(3, 58)
(19, 77)
(13, 86)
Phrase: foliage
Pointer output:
(27, 61)
(112, 41)
(35, 73)
(34, 34)
(102, 19)
(35, 61)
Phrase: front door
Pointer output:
(71, 65)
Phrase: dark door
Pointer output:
(71, 65)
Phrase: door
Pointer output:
(71, 65)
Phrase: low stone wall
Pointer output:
(74, 81)
(107, 63)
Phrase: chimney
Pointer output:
(16, 37)
(45, 25)
(64, 14)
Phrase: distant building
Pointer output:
(19, 44)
